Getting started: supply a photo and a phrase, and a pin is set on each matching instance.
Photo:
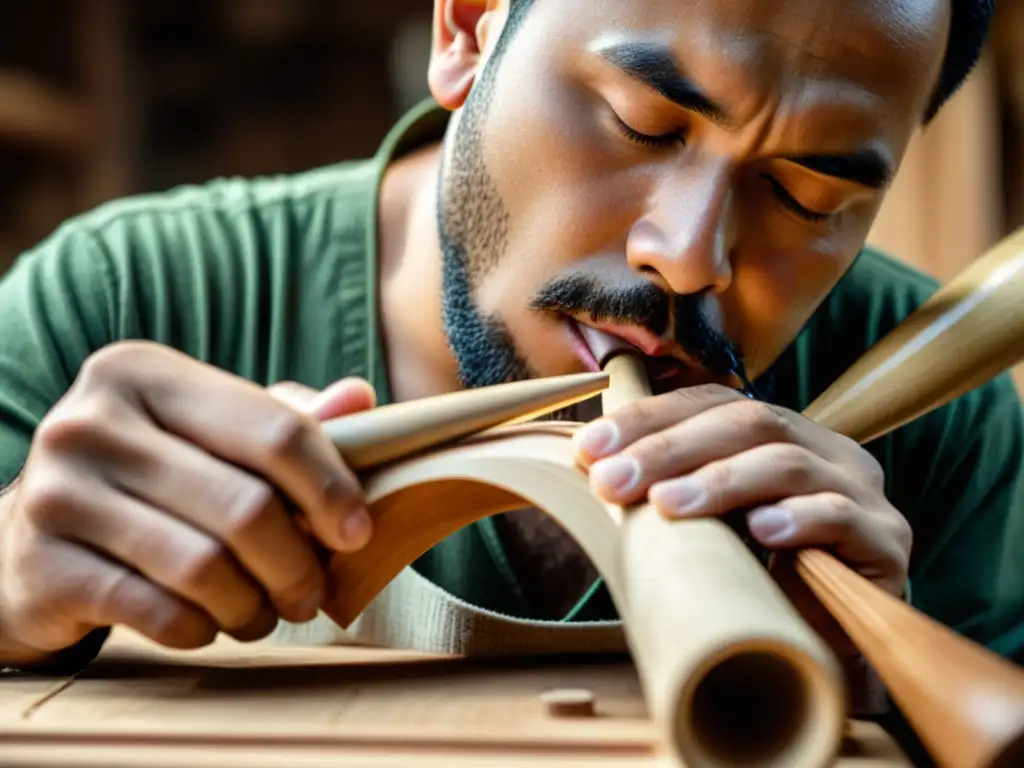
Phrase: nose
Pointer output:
(685, 240)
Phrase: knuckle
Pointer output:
(110, 363)
(712, 390)
(172, 624)
(45, 499)
(248, 503)
(202, 566)
(903, 533)
(717, 476)
(285, 434)
(109, 591)
(654, 449)
(842, 515)
(83, 421)
(872, 471)
(791, 465)
(764, 419)
(635, 414)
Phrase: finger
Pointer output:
(238, 422)
(346, 396)
(835, 522)
(620, 429)
(231, 506)
(293, 394)
(760, 476)
(72, 588)
(185, 561)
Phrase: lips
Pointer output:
(594, 345)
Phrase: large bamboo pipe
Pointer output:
(732, 673)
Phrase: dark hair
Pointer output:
(968, 31)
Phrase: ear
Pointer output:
(462, 31)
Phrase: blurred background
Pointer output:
(104, 98)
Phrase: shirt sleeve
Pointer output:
(56, 308)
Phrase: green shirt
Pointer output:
(274, 279)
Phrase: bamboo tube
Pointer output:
(732, 672)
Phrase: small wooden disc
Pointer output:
(569, 702)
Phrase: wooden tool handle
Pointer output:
(966, 704)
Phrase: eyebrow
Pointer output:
(867, 167)
(653, 65)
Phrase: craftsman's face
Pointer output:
(695, 176)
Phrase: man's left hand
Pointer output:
(707, 451)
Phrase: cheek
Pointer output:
(566, 197)
(775, 295)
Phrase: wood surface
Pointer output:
(257, 705)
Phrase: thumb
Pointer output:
(347, 396)
(343, 397)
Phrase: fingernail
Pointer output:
(598, 438)
(771, 524)
(678, 497)
(356, 529)
(618, 474)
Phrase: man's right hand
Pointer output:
(165, 495)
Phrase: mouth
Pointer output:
(668, 366)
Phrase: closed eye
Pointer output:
(791, 202)
(661, 141)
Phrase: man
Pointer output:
(696, 179)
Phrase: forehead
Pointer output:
(877, 56)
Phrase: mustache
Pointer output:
(648, 306)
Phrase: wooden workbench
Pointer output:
(264, 705)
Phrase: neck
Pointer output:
(420, 363)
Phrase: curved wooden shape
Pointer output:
(731, 673)
(972, 712)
